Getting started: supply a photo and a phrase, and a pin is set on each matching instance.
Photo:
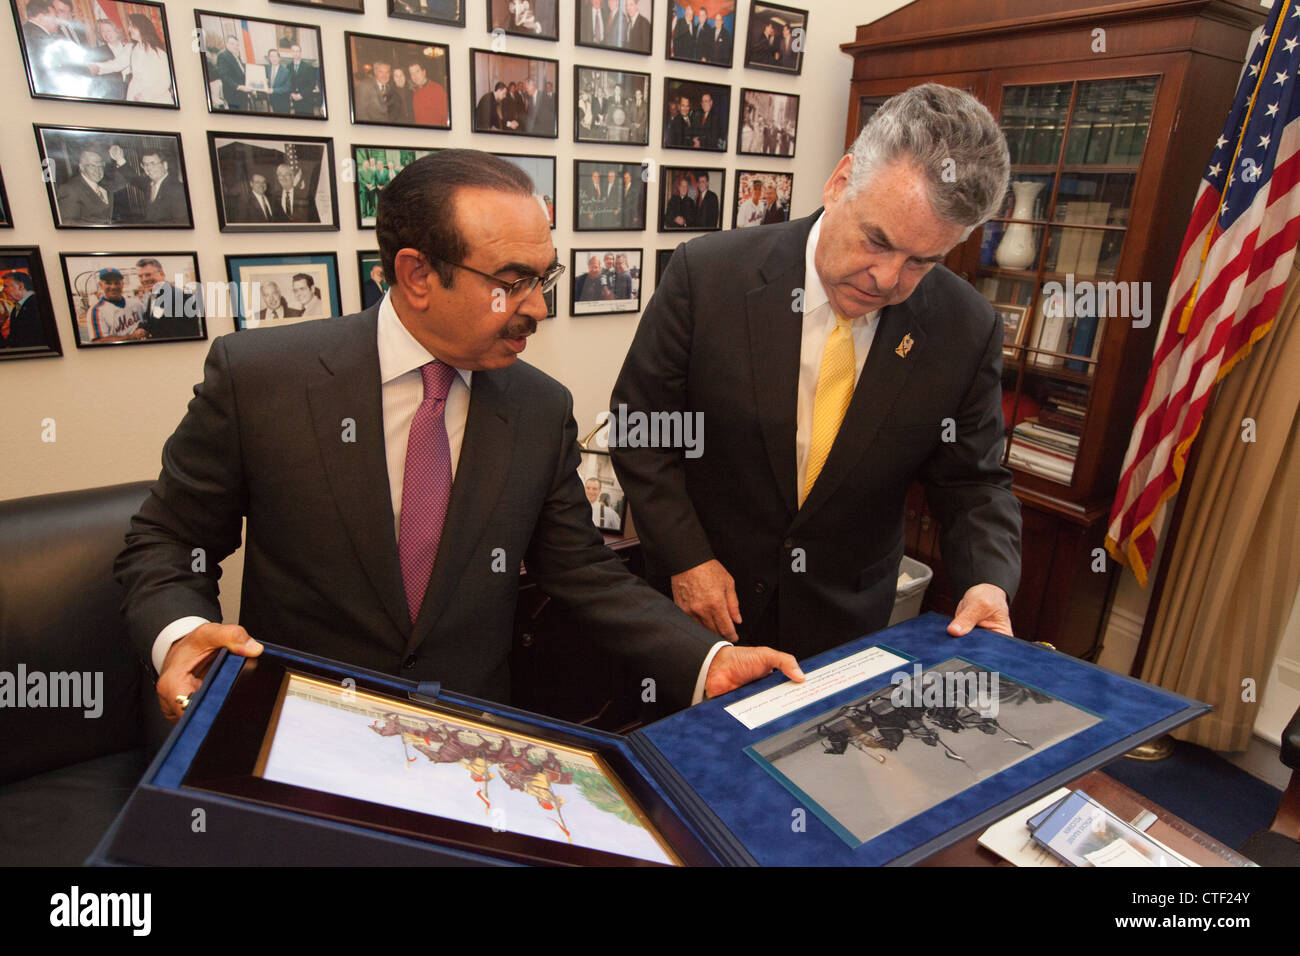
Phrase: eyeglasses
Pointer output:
(520, 287)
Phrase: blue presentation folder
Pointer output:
(697, 774)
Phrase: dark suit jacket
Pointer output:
(638, 34)
(304, 78)
(303, 204)
(281, 87)
(78, 203)
(707, 211)
(26, 329)
(231, 72)
(172, 313)
(321, 570)
(720, 329)
(169, 205)
(248, 209)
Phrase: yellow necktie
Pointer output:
(834, 392)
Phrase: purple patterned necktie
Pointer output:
(426, 485)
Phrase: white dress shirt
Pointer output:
(818, 324)
(401, 392)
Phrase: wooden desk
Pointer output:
(1171, 830)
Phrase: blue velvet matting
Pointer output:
(178, 754)
(706, 746)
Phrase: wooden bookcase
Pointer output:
(1113, 107)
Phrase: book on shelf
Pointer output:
(1057, 467)
(1086, 341)
(1097, 213)
(1053, 330)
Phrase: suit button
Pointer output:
(526, 639)
(760, 588)
(409, 662)
(788, 543)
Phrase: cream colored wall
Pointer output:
(113, 407)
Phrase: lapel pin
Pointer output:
(904, 346)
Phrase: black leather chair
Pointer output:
(1279, 845)
(64, 775)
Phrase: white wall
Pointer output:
(114, 407)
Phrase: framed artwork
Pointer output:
(283, 290)
(261, 67)
(541, 169)
(611, 106)
(761, 198)
(691, 198)
(370, 273)
(120, 179)
(768, 123)
(600, 484)
(27, 328)
(373, 169)
(515, 94)
(6, 217)
(615, 24)
(448, 12)
(398, 82)
(605, 280)
(1014, 325)
(344, 6)
(102, 52)
(268, 183)
(550, 303)
(608, 196)
(539, 19)
(777, 37)
(696, 115)
(134, 298)
(701, 32)
(661, 263)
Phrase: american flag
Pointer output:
(1230, 276)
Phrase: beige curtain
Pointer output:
(1235, 565)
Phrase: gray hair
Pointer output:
(951, 138)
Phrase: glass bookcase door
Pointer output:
(1075, 150)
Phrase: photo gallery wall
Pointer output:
(270, 85)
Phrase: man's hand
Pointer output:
(734, 667)
(187, 661)
(984, 605)
(708, 594)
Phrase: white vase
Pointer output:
(1019, 245)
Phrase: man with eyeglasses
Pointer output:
(394, 467)
(158, 197)
(83, 200)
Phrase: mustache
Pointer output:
(527, 326)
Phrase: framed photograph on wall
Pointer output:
(691, 198)
(605, 280)
(661, 263)
(268, 183)
(118, 179)
(370, 273)
(343, 6)
(768, 123)
(398, 82)
(611, 106)
(133, 298)
(608, 503)
(761, 198)
(696, 115)
(6, 217)
(283, 290)
(373, 168)
(608, 196)
(541, 169)
(447, 12)
(102, 52)
(261, 67)
(525, 18)
(515, 94)
(777, 37)
(27, 327)
(615, 24)
(703, 32)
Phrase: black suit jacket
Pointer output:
(304, 84)
(720, 337)
(321, 571)
(231, 72)
(169, 206)
(79, 204)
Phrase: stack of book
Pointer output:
(1044, 450)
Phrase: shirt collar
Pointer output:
(399, 352)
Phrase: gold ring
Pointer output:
(183, 700)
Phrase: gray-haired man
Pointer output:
(834, 361)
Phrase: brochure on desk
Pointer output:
(307, 761)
